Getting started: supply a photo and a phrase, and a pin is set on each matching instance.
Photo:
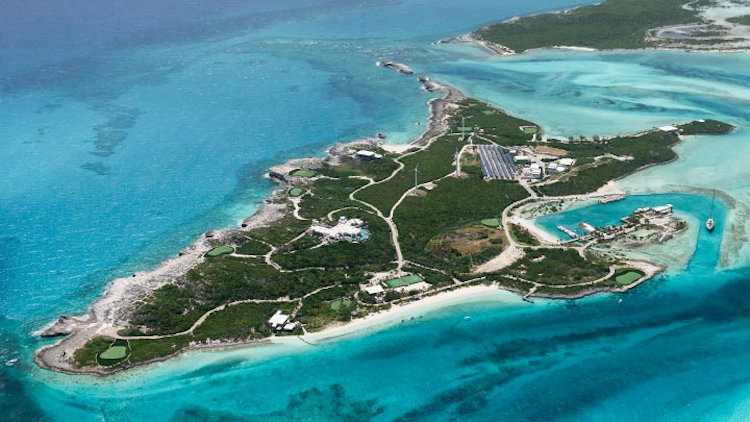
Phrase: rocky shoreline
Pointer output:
(122, 295)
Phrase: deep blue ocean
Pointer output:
(129, 127)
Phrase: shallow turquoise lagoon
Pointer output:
(130, 127)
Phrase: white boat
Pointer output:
(710, 223)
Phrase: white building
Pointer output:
(566, 162)
(669, 128)
(664, 209)
(345, 229)
(368, 155)
(374, 290)
(278, 320)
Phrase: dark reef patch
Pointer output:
(332, 404)
(99, 168)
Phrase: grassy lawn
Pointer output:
(219, 250)
(491, 222)
(611, 24)
(628, 276)
(295, 192)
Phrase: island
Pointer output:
(375, 226)
(624, 24)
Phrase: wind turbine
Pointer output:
(457, 165)
(463, 128)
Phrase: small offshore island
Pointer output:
(698, 25)
(374, 226)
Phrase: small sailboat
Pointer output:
(710, 223)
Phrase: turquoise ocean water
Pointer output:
(130, 127)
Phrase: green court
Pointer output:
(628, 277)
(491, 222)
(404, 281)
(530, 130)
(114, 353)
(295, 192)
(219, 250)
(302, 173)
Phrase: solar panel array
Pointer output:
(496, 163)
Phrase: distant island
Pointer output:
(625, 24)
(374, 226)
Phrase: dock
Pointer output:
(571, 233)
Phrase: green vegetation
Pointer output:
(219, 250)
(241, 322)
(295, 192)
(327, 195)
(434, 162)
(351, 166)
(86, 355)
(453, 204)
(650, 148)
(608, 25)
(281, 231)
(705, 127)
(326, 306)
(374, 254)
(406, 280)
(252, 247)
(439, 228)
(523, 236)
(148, 350)
(628, 276)
(491, 222)
(302, 173)
(557, 266)
(740, 20)
(502, 128)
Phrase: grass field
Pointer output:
(302, 173)
(404, 281)
(339, 303)
(114, 352)
(491, 222)
(219, 250)
(628, 277)
(295, 192)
